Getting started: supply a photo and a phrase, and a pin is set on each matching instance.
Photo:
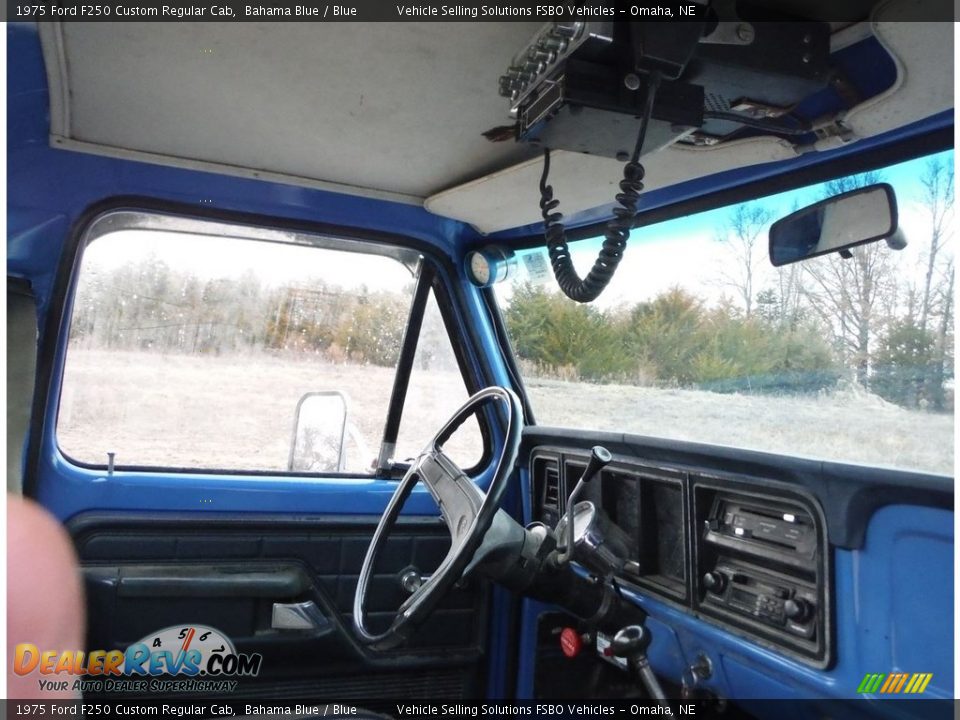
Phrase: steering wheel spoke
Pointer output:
(466, 510)
(457, 496)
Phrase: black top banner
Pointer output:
(381, 709)
(425, 11)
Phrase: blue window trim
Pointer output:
(67, 488)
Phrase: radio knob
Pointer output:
(796, 609)
(715, 581)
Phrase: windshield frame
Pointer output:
(853, 162)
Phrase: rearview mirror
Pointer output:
(319, 430)
(837, 224)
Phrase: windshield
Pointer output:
(699, 338)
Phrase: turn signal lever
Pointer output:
(631, 643)
(599, 458)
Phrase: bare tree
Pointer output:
(944, 344)
(744, 235)
(790, 289)
(848, 293)
(937, 181)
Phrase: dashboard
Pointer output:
(746, 554)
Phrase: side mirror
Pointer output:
(319, 431)
(837, 224)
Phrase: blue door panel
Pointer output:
(899, 597)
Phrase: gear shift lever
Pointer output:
(599, 458)
(631, 643)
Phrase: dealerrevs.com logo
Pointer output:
(203, 658)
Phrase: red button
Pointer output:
(570, 642)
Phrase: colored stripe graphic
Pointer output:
(870, 683)
(891, 680)
(894, 683)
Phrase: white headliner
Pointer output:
(392, 110)
(394, 107)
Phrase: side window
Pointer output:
(435, 393)
(193, 350)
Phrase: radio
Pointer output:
(773, 601)
(761, 568)
(777, 529)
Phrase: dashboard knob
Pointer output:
(570, 642)
(600, 457)
(715, 581)
(630, 642)
(796, 609)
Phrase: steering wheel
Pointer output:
(467, 511)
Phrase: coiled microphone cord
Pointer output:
(618, 228)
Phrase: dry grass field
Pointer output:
(237, 412)
(850, 426)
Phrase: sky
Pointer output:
(210, 257)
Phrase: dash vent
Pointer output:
(547, 493)
(551, 487)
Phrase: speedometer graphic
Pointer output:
(184, 638)
(185, 649)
